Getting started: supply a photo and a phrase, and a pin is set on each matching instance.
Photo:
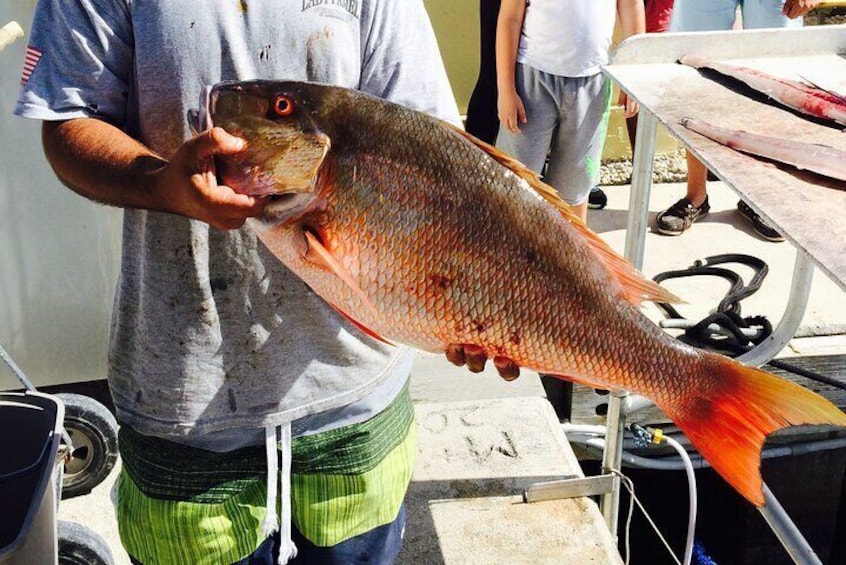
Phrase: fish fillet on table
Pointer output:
(804, 98)
(422, 235)
(821, 159)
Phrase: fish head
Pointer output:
(285, 148)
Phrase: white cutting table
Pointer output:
(807, 209)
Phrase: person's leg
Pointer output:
(179, 504)
(578, 141)
(482, 120)
(699, 15)
(758, 14)
(693, 15)
(531, 145)
(697, 177)
(379, 546)
(348, 487)
(676, 219)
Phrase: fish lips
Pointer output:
(199, 119)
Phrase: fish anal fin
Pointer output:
(729, 421)
(360, 326)
(318, 255)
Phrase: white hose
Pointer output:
(585, 429)
(691, 490)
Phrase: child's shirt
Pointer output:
(567, 37)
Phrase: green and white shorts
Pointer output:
(177, 504)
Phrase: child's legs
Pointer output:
(577, 145)
(766, 13)
(702, 15)
(531, 145)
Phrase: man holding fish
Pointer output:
(406, 230)
(218, 353)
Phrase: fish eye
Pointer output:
(283, 106)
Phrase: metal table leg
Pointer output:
(642, 165)
(609, 504)
(786, 531)
(643, 160)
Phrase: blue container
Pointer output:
(30, 477)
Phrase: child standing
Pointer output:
(553, 99)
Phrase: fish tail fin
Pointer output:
(729, 424)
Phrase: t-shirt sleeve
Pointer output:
(78, 61)
(401, 61)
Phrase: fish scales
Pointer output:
(419, 234)
(461, 238)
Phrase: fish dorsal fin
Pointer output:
(635, 287)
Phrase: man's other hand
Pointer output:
(474, 357)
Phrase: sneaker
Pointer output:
(761, 227)
(597, 200)
(680, 216)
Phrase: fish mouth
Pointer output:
(280, 161)
(285, 207)
(199, 119)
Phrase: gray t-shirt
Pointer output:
(211, 334)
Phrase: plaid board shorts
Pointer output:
(177, 504)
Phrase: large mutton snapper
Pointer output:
(420, 234)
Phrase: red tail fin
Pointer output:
(729, 425)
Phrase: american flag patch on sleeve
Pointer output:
(31, 59)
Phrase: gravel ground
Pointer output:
(669, 167)
(826, 16)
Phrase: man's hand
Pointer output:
(474, 357)
(101, 162)
(796, 8)
(187, 184)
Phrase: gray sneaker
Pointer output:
(680, 216)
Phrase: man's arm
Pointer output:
(508, 28)
(102, 163)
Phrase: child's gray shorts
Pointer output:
(566, 120)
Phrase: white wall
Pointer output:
(59, 253)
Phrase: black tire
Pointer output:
(79, 545)
(93, 431)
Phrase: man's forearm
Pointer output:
(102, 163)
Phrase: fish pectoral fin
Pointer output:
(318, 255)
(361, 326)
